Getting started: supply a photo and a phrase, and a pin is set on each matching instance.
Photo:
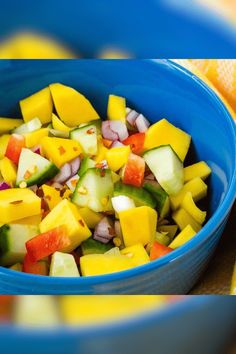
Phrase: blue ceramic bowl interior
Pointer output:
(145, 29)
(193, 325)
(157, 89)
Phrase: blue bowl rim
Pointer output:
(140, 319)
(206, 232)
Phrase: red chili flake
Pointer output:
(111, 231)
(27, 175)
(40, 193)
(81, 223)
(103, 173)
(90, 131)
(48, 197)
(75, 148)
(74, 182)
(15, 202)
(81, 156)
(61, 150)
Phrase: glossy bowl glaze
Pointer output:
(199, 324)
(157, 89)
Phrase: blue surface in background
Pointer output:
(157, 89)
(147, 29)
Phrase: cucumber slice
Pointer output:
(139, 195)
(94, 190)
(12, 242)
(167, 168)
(87, 138)
(162, 238)
(91, 246)
(34, 169)
(85, 165)
(63, 265)
(30, 126)
(97, 123)
(162, 199)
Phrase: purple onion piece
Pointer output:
(119, 128)
(75, 164)
(107, 132)
(117, 144)
(4, 185)
(104, 231)
(142, 123)
(131, 117)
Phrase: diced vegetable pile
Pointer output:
(85, 196)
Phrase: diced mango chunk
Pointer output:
(31, 220)
(116, 108)
(90, 217)
(138, 225)
(189, 205)
(59, 125)
(66, 213)
(184, 236)
(99, 264)
(72, 107)
(34, 138)
(115, 177)
(196, 187)
(38, 105)
(183, 218)
(59, 150)
(199, 169)
(101, 151)
(51, 195)
(137, 254)
(4, 139)
(17, 203)
(8, 171)
(117, 157)
(8, 124)
(164, 133)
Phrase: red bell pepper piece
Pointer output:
(45, 244)
(38, 268)
(14, 147)
(134, 171)
(158, 250)
(136, 142)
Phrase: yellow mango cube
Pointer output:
(138, 225)
(38, 105)
(59, 125)
(183, 218)
(8, 171)
(115, 177)
(184, 236)
(116, 108)
(196, 187)
(90, 217)
(189, 205)
(99, 264)
(59, 150)
(31, 220)
(34, 138)
(51, 195)
(66, 213)
(137, 254)
(72, 107)
(164, 133)
(17, 203)
(101, 151)
(117, 157)
(4, 139)
(8, 124)
(199, 169)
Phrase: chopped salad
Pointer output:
(82, 196)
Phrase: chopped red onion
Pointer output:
(104, 231)
(131, 117)
(4, 185)
(75, 164)
(107, 132)
(142, 123)
(64, 174)
(117, 144)
(119, 128)
(37, 149)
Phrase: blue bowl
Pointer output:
(157, 89)
(196, 325)
(145, 29)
